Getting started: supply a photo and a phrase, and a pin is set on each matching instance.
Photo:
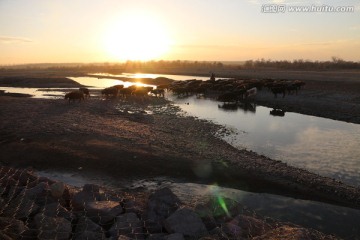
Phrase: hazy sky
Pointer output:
(38, 31)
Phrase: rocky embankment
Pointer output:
(35, 207)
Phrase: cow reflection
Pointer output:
(277, 112)
(232, 107)
(247, 106)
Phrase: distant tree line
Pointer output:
(130, 65)
(174, 64)
(300, 64)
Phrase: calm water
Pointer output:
(36, 92)
(151, 75)
(330, 148)
(94, 82)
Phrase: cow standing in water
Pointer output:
(85, 91)
(72, 96)
(277, 90)
(251, 93)
(158, 92)
(110, 91)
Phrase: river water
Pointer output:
(152, 75)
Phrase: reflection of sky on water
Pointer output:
(151, 75)
(92, 82)
(102, 82)
(324, 146)
(35, 92)
(96, 82)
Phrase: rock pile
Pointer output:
(34, 207)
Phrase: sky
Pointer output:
(60, 31)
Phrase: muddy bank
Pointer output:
(140, 138)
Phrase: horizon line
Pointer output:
(147, 61)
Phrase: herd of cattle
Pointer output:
(226, 90)
(115, 91)
(233, 90)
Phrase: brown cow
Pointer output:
(72, 96)
(126, 92)
(158, 92)
(277, 90)
(85, 91)
(119, 86)
(110, 91)
(141, 91)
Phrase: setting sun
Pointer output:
(136, 37)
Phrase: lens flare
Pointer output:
(222, 204)
(220, 201)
